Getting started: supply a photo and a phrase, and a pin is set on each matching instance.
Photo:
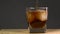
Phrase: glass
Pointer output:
(37, 18)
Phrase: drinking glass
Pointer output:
(36, 19)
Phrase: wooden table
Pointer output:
(26, 31)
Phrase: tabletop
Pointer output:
(26, 31)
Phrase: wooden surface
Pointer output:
(26, 31)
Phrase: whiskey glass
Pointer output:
(36, 19)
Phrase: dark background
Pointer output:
(12, 13)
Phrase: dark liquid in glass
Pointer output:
(37, 23)
(35, 19)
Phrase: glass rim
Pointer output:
(38, 7)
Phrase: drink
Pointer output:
(36, 18)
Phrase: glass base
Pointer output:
(37, 30)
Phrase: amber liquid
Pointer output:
(37, 19)
(37, 23)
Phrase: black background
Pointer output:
(12, 13)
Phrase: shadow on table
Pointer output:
(37, 33)
(48, 31)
